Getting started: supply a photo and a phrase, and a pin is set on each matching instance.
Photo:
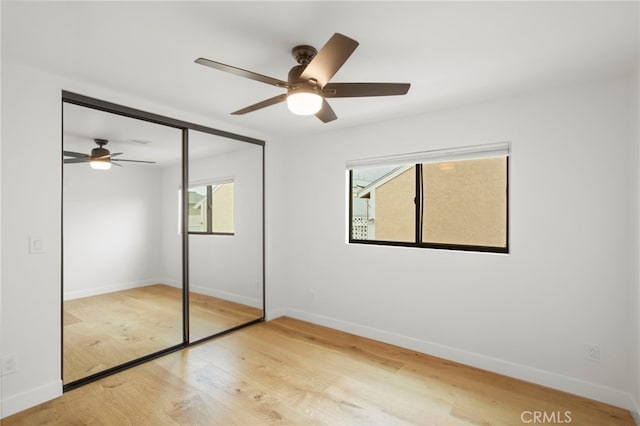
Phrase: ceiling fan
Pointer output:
(308, 84)
(100, 157)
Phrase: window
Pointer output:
(211, 208)
(450, 199)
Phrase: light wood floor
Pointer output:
(290, 372)
(109, 329)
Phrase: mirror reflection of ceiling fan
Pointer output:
(100, 158)
(308, 83)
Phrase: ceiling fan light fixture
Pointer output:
(304, 101)
(100, 164)
(100, 157)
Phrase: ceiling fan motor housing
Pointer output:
(303, 54)
(100, 152)
(294, 74)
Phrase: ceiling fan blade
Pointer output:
(326, 113)
(74, 154)
(116, 164)
(356, 90)
(101, 157)
(242, 73)
(329, 59)
(132, 161)
(260, 105)
(75, 160)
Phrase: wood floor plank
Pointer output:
(291, 372)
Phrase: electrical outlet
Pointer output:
(9, 365)
(592, 353)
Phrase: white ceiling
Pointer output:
(452, 53)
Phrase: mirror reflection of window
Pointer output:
(198, 209)
(211, 208)
(222, 208)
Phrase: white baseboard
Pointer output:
(568, 384)
(271, 314)
(77, 294)
(170, 282)
(232, 297)
(15, 403)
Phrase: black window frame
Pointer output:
(209, 213)
(419, 208)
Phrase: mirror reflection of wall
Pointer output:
(225, 234)
(119, 304)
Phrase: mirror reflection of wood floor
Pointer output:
(106, 330)
(291, 372)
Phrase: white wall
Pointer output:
(277, 238)
(571, 277)
(171, 243)
(1, 235)
(31, 129)
(637, 318)
(112, 228)
(226, 266)
(31, 171)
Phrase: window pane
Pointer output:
(198, 209)
(222, 207)
(383, 206)
(465, 202)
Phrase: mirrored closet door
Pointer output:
(225, 234)
(122, 295)
(147, 267)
